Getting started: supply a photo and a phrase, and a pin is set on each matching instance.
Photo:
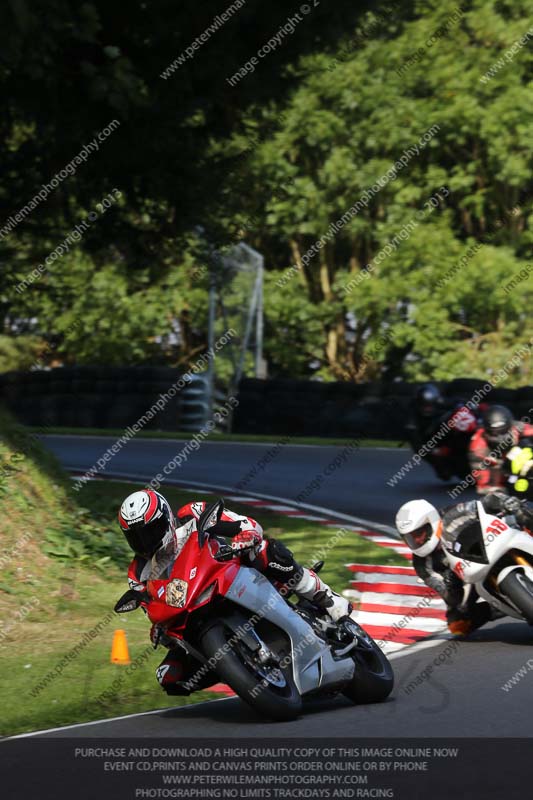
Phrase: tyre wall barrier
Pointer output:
(373, 410)
(105, 397)
(92, 397)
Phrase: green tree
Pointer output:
(66, 73)
(346, 124)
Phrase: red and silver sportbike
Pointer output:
(235, 626)
(496, 556)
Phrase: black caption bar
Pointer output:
(296, 769)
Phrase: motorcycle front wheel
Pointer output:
(269, 689)
(373, 678)
(519, 589)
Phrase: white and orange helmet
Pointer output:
(419, 524)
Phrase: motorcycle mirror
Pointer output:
(208, 519)
(318, 566)
(129, 601)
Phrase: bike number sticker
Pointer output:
(459, 570)
(497, 527)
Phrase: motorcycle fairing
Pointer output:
(497, 544)
(311, 657)
(195, 567)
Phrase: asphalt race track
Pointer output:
(461, 696)
(352, 481)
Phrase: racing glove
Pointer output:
(246, 541)
(510, 505)
(158, 636)
(498, 501)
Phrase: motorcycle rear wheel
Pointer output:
(519, 589)
(270, 691)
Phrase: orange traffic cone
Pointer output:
(119, 649)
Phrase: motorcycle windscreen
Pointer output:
(163, 560)
(469, 544)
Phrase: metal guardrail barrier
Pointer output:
(197, 405)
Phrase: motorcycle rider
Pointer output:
(157, 537)
(518, 470)
(427, 409)
(430, 411)
(491, 443)
(424, 530)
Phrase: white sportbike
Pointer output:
(496, 556)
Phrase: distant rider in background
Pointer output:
(429, 412)
(490, 445)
